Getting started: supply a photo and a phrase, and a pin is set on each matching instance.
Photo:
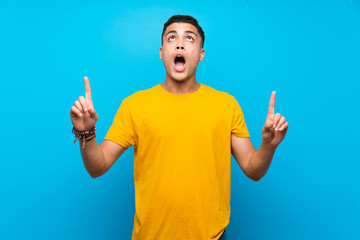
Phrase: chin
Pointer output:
(178, 78)
(181, 76)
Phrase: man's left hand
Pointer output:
(275, 127)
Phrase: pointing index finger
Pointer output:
(272, 104)
(87, 88)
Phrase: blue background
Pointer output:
(308, 51)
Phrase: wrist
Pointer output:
(268, 147)
(85, 135)
(84, 129)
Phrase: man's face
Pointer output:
(181, 51)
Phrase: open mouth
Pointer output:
(179, 63)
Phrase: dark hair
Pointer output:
(184, 19)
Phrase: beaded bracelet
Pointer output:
(84, 136)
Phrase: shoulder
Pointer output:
(141, 95)
(218, 95)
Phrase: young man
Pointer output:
(183, 133)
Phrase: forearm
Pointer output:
(260, 161)
(254, 163)
(93, 158)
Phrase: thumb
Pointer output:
(268, 125)
(92, 112)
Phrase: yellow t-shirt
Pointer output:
(182, 153)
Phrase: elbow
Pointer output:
(97, 171)
(254, 178)
(96, 174)
(254, 175)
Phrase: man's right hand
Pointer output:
(82, 114)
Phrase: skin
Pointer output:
(254, 163)
(184, 39)
(97, 158)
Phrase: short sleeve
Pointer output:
(238, 126)
(122, 129)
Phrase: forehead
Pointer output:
(181, 27)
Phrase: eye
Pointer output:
(171, 38)
(191, 39)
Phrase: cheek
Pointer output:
(168, 60)
(194, 58)
(165, 56)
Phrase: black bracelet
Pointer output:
(84, 136)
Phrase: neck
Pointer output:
(180, 87)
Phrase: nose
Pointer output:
(180, 46)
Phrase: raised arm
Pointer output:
(256, 163)
(97, 158)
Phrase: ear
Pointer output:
(202, 54)
(161, 52)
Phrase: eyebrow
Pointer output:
(174, 31)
